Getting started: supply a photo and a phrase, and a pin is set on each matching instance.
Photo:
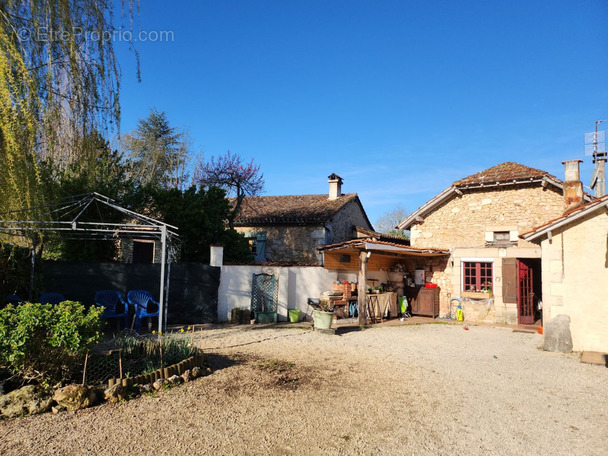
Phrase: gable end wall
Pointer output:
(462, 221)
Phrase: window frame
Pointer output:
(140, 243)
(481, 265)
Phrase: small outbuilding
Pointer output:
(574, 252)
(289, 228)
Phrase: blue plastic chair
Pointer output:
(13, 299)
(144, 306)
(51, 298)
(114, 305)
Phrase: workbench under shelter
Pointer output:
(407, 265)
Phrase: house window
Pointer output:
(253, 246)
(476, 276)
(502, 236)
(257, 245)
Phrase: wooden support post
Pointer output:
(362, 296)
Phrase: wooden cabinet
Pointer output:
(423, 301)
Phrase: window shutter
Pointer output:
(509, 280)
(261, 246)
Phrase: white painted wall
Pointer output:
(296, 285)
(575, 278)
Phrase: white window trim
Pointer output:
(477, 259)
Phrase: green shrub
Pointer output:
(47, 342)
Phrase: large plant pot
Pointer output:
(322, 320)
(240, 316)
(265, 317)
(294, 315)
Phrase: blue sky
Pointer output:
(400, 98)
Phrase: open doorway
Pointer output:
(143, 251)
(529, 290)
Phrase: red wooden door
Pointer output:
(525, 294)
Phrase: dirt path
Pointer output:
(429, 389)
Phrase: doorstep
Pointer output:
(591, 357)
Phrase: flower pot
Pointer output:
(265, 317)
(294, 315)
(322, 320)
(240, 316)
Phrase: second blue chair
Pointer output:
(114, 305)
(143, 304)
(51, 298)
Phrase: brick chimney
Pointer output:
(573, 187)
(335, 186)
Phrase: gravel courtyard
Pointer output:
(426, 389)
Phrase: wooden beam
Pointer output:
(361, 297)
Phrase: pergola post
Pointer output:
(161, 313)
(168, 279)
(32, 269)
(362, 295)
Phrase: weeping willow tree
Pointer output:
(59, 80)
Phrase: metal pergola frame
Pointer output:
(65, 218)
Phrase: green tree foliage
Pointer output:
(200, 215)
(47, 342)
(15, 269)
(100, 169)
(58, 81)
(158, 152)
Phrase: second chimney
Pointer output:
(573, 187)
(335, 186)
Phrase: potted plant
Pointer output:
(294, 315)
(323, 315)
(266, 315)
(240, 316)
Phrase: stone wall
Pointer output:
(291, 243)
(341, 225)
(575, 274)
(464, 220)
(297, 244)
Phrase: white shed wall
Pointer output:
(296, 285)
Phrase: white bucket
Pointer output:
(419, 276)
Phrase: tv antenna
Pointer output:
(595, 145)
(595, 142)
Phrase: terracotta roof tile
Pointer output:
(381, 236)
(504, 172)
(290, 209)
(363, 241)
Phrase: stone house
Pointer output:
(494, 273)
(574, 250)
(290, 228)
